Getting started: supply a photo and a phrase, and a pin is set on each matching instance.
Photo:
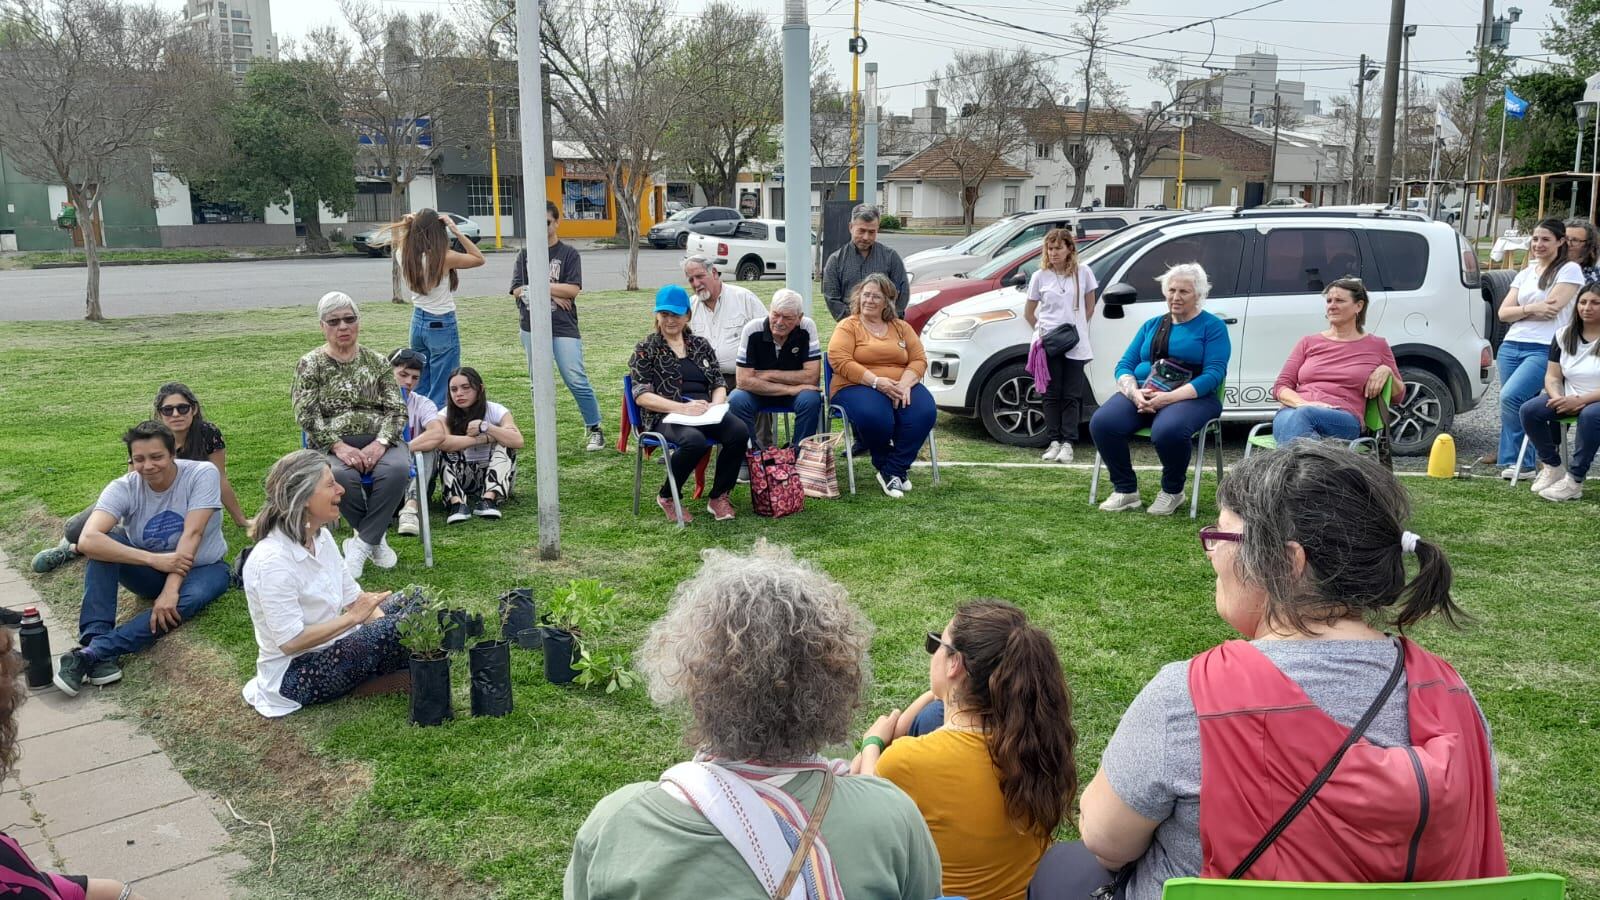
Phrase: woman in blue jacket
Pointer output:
(1166, 381)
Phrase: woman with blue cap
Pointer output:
(675, 371)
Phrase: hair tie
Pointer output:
(1408, 541)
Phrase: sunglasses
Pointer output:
(176, 409)
(406, 356)
(1211, 537)
(336, 321)
(935, 641)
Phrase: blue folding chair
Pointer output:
(643, 439)
(835, 411)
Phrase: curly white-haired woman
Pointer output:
(770, 659)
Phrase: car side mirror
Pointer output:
(1116, 297)
(1017, 279)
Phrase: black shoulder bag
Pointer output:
(1166, 374)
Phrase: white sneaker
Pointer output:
(905, 484)
(1510, 472)
(1118, 502)
(891, 486)
(1051, 451)
(409, 523)
(356, 555)
(1548, 477)
(382, 555)
(1165, 504)
(1065, 456)
(1565, 489)
(595, 441)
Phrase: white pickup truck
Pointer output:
(754, 249)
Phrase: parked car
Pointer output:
(375, 241)
(1015, 230)
(1013, 268)
(674, 232)
(753, 249)
(1268, 268)
(1286, 203)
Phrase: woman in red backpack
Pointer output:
(1318, 749)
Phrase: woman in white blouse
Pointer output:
(319, 635)
(1062, 293)
(1571, 388)
(1538, 305)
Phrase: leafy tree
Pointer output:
(1142, 135)
(1575, 34)
(1543, 139)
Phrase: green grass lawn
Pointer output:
(365, 805)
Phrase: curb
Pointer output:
(191, 262)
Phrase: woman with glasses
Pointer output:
(1217, 752)
(1583, 248)
(1330, 375)
(1538, 305)
(996, 777)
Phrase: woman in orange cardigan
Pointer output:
(877, 363)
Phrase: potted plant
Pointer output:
(576, 615)
(489, 662)
(459, 624)
(519, 621)
(423, 634)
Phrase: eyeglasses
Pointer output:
(336, 321)
(176, 409)
(1211, 536)
(935, 641)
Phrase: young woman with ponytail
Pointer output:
(998, 778)
(429, 267)
(1207, 770)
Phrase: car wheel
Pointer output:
(683, 240)
(1011, 410)
(1428, 411)
(749, 270)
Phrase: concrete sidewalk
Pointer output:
(92, 795)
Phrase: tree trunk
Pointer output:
(969, 207)
(1079, 174)
(316, 242)
(90, 226)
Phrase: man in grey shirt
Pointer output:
(856, 260)
(170, 550)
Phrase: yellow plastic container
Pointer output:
(1442, 459)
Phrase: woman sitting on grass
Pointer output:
(1571, 388)
(319, 636)
(995, 777)
(770, 659)
(479, 454)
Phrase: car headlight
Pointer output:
(921, 297)
(961, 328)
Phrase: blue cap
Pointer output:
(673, 299)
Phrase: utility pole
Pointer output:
(857, 47)
(1272, 167)
(1391, 96)
(797, 149)
(1405, 115)
(869, 139)
(1474, 158)
(1364, 74)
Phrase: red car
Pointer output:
(1013, 268)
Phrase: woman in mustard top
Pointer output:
(997, 779)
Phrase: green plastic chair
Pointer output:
(1261, 435)
(1513, 887)
(1561, 446)
(1211, 430)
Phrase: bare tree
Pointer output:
(619, 79)
(830, 119)
(1138, 137)
(1092, 31)
(989, 91)
(84, 87)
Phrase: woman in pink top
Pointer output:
(1325, 385)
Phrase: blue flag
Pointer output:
(1516, 107)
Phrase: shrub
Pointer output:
(891, 223)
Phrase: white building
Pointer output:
(239, 30)
(1053, 178)
(926, 189)
(1244, 95)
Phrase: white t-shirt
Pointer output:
(494, 414)
(288, 588)
(1526, 284)
(723, 325)
(420, 412)
(438, 301)
(1581, 370)
(1062, 300)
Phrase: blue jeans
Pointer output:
(568, 353)
(97, 623)
(1543, 426)
(1171, 430)
(807, 411)
(436, 337)
(1521, 365)
(930, 719)
(893, 436)
(1314, 422)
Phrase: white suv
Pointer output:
(1267, 271)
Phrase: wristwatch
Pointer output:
(483, 427)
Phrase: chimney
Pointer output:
(932, 96)
(1081, 106)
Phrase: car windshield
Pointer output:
(1002, 262)
(983, 241)
(681, 214)
(1103, 256)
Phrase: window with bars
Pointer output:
(480, 196)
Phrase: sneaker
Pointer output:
(1510, 472)
(1165, 504)
(1065, 456)
(595, 441)
(409, 524)
(720, 508)
(459, 512)
(744, 473)
(1051, 451)
(892, 486)
(53, 558)
(70, 671)
(382, 555)
(356, 555)
(905, 484)
(1548, 477)
(1565, 489)
(10, 618)
(104, 671)
(1118, 502)
(487, 509)
(666, 506)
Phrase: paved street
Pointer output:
(201, 287)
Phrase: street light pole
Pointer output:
(869, 139)
(1405, 114)
(1272, 167)
(797, 149)
(1364, 74)
(1582, 108)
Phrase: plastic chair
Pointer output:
(835, 411)
(1372, 423)
(1513, 887)
(652, 439)
(1566, 431)
(1211, 429)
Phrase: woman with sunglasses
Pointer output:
(997, 778)
(1330, 375)
(1310, 556)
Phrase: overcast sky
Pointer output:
(909, 39)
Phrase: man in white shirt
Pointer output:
(719, 313)
(424, 425)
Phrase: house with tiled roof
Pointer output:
(927, 188)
